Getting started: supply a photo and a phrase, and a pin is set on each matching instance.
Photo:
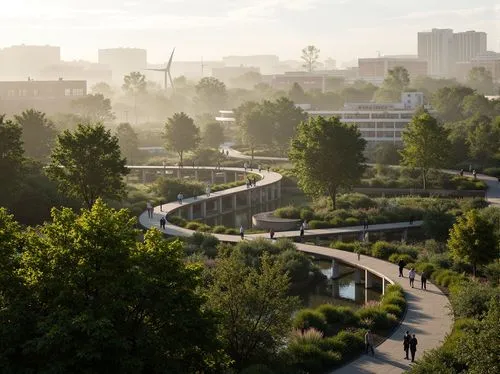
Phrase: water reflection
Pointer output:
(341, 291)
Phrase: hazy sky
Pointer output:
(342, 29)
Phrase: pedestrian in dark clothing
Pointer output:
(268, 169)
(301, 232)
(411, 220)
(369, 342)
(271, 234)
(365, 224)
(162, 223)
(413, 347)
(423, 280)
(401, 265)
(242, 233)
(411, 276)
(406, 344)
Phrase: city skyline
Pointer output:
(343, 29)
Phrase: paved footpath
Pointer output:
(427, 316)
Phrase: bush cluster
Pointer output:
(330, 335)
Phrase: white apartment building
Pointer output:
(437, 48)
(378, 122)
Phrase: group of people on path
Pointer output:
(412, 274)
(410, 343)
(251, 182)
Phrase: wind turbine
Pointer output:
(166, 70)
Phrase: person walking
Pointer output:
(271, 234)
(406, 344)
(301, 233)
(260, 168)
(423, 280)
(369, 342)
(411, 276)
(413, 347)
(180, 197)
(149, 208)
(411, 220)
(365, 224)
(268, 169)
(242, 232)
(162, 223)
(207, 190)
(474, 174)
(401, 265)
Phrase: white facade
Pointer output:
(379, 122)
(225, 117)
(469, 45)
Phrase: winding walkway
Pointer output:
(427, 314)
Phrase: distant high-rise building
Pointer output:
(375, 69)
(123, 61)
(468, 45)
(23, 61)
(437, 47)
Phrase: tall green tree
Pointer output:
(286, 119)
(396, 81)
(211, 95)
(99, 301)
(94, 108)
(87, 164)
(11, 159)
(448, 100)
(102, 88)
(213, 135)
(257, 128)
(135, 85)
(426, 144)
(327, 156)
(38, 133)
(128, 141)
(181, 134)
(297, 94)
(472, 239)
(310, 56)
(483, 138)
(255, 307)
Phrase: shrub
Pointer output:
(309, 336)
(306, 214)
(197, 238)
(392, 309)
(342, 246)
(257, 369)
(351, 221)
(193, 226)
(383, 250)
(231, 231)
(290, 212)
(311, 358)
(331, 313)
(470, 298)
(315, 224)
(394, 299)
(307, 318)
(219, 229)
(425, 266)
(376, 315)
(353, 342)
(177, 221)
(396, 257)
(495, 171)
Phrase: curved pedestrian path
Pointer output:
(427, 313)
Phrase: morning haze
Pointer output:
(249, 186)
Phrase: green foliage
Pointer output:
(38, 134)
(94, 108)
(181, 134)
(288, 212)
(438, 223)
(297, 265)
(87, 164)
(169, 188)
(470, 299)
(383, 249)
(327, 156)
(310, 56)
(253, 304)
(213, 135)
(472, 239)
(425, 144)
(309, 318)
(11, 160)
(211, 95)
(89, 289)
(128, 141)
(316, 224)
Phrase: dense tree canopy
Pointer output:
(213, 135)
(87, 164)
(254, 306)
(481, 80)
(38, 134)
(11, 159)
(181, 134)
(128, 141)
(94, 108)
(211, 95)
(82, 295)
(472, 239)
(327, 155)
(425, 144)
